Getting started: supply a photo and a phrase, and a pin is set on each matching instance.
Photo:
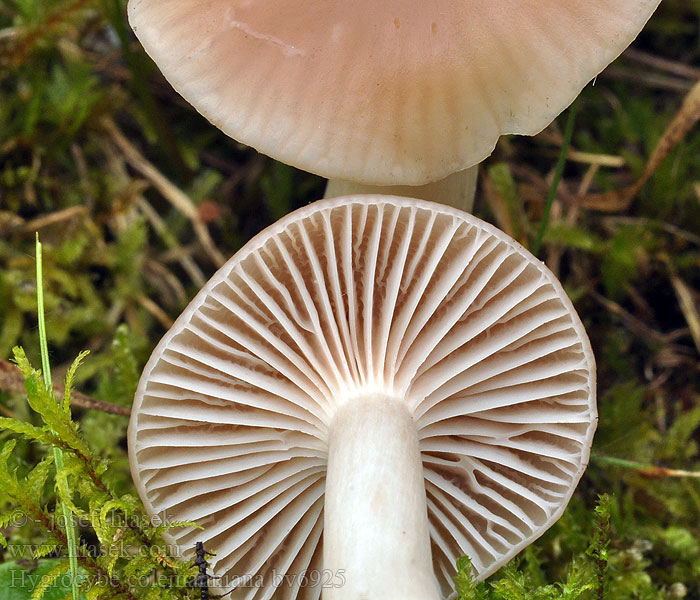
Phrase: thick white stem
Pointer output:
(456, 190)
(375, 519)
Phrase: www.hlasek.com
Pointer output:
(119, 548)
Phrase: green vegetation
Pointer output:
(601, 562)
(131, 558)
(137, 200)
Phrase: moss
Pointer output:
(122, 261)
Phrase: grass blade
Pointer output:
(57, 452)
(568, 132)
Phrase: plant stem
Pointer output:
(43, 345)
(455, 190)
(568, 132)
(57, 452)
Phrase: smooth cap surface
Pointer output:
(383, 91)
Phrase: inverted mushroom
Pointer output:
(370, 388)
(383, 92)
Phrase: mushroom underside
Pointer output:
(345, 300)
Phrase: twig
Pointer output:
(186, 261)
(662, 225)
(684, 295)
(630, 320)
(555, 137)
(683, 121)
(646, 470)
(11, 380)
(52, 218)
(162, 278)
(663, 64)
(156, 311)
(170, 191)
(651, 80)
(600, 160)
(138, 66)
(81, 167)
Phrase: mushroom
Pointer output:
(384, 92)
(370, 388)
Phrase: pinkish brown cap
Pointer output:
(383, 92)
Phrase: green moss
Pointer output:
(112, 240)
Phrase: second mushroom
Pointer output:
(370, 388)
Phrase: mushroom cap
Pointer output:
(383, 92)
(408, 298)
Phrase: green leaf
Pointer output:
(575, 237)
(20, 582)
(44, 402)
(37, 477)
(7, 474)
(49, 579)
(502, 178)
(44, 549)
(29, 431)
(70, 376)
(466, 588)
(139, 566)
(126, 373)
